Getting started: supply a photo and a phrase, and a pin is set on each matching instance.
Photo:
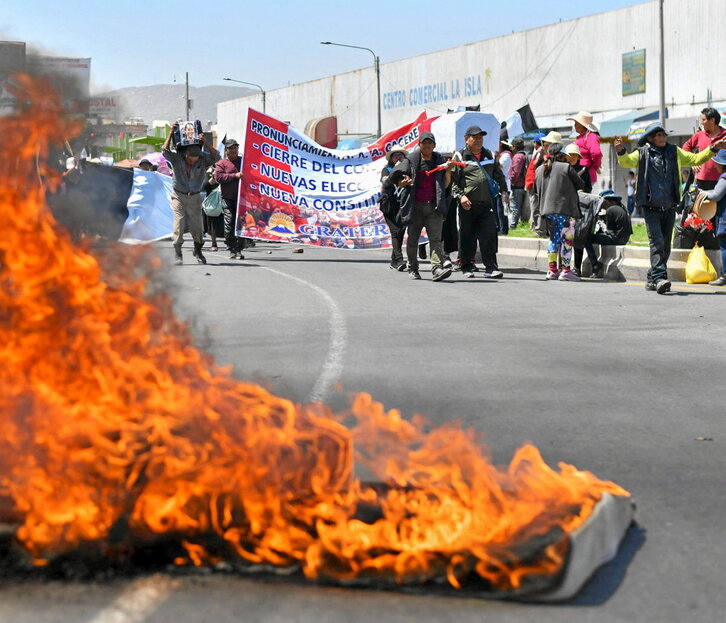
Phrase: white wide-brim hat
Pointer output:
(584, 118)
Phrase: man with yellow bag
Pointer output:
(658, 191)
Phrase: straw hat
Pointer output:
(552, 137)
(704, 208)
(584, 118)
(396, 149)
(572, 148)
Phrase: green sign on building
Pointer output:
(634, 72)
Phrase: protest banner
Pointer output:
(295, 190)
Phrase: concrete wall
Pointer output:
(559, 69)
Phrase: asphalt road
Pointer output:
(613, 379)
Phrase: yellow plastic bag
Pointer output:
(698, 267)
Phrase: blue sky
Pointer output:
(271, 43)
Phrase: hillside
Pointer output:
(166, 101)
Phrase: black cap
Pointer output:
(230, 142)
(426, 135)
(473, 130)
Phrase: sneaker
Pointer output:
(447, 263)
(413, 274)
(650, 286)
(240, 256)
(569, 275)
(440, 273)
(493, 274)
(400, 266)
(721, 281)
(233, 255)
(552, 275)
(597, 270)
(662, 286)
(469, 275)
(214, 247)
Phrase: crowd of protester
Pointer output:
(478, 194)
(465, 200)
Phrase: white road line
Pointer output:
(139, 600)
(333, 366)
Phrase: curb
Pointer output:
(621, 263)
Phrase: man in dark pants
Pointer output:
(471, 187)
(424, 177)
(228, 172)
(658, 190)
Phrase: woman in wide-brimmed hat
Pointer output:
(588, 140)
(719, 194)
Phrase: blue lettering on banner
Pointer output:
(338, 205)
(367, 231)
(283, 196)
(286, 177)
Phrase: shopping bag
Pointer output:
(698, 267)
(212, 204)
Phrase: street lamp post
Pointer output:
(252, 84)
(661, 103)
(377, 66)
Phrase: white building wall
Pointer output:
(559, 69)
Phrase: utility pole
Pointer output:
(662, 67)
(188, 102)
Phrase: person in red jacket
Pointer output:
(707, 174)
(517, 175)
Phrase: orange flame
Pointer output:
(111, 417)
